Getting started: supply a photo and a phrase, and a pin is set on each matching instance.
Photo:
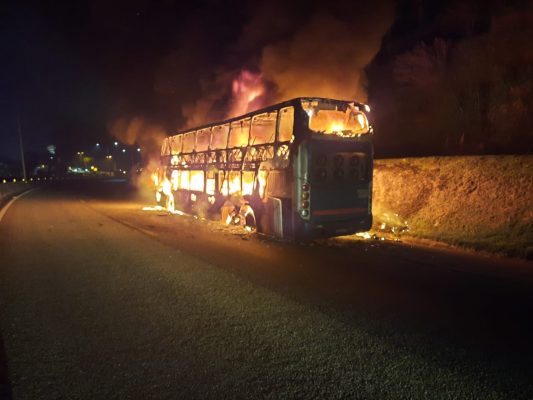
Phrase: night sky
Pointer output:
(71, 70)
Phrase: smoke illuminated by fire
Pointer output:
(327, 57)
(324, 55)
(247, 89)
(138, 131)
(149, 137)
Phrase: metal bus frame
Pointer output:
(278, 210)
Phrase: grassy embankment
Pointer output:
(484, 202)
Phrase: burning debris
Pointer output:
(391, 223)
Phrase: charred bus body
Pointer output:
(302, 167)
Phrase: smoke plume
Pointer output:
(322, 53)
(327, 56)
(138, 131)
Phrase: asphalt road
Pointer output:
(99, 299)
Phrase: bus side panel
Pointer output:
(277, 217)
(275, 211)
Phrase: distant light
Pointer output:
(97, 144)
(123, 150)
(138, 149)
(4, 181)
(14, 179)
(51, 158)
(367, 108)
(116, 143)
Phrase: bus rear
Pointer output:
(333, 171)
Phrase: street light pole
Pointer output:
(21, 148)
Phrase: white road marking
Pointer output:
(15, 198)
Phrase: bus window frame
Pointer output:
(269, 141)
(280, 112)
(231, 129)
(183, 142)
(217, 126)
(173, 139)
(201, 131)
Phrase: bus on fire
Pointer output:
(300, 169)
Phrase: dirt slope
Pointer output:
(483, 202)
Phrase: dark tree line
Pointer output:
(462, 85)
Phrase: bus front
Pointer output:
(333, 170)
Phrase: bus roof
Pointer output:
(295, 102)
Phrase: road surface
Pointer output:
(99, 299)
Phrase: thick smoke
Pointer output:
(281, 50)
(213, 103)
(147, 135)
(327, 56)
(309, 51)
(138, 131)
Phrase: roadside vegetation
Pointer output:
(479, 202)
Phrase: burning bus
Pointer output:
(300, 169)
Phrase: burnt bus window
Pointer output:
(286, 124)
(174, 179)
(197, 181)
(210, 184)
(202, 139)
(238, 136)
(247, 182)
(261, 182)
(263, 128)
(188, 142)
(219, 137)
(234, 182)
(175, 144)
(222, 182)
(165, 149)
(184, 180)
